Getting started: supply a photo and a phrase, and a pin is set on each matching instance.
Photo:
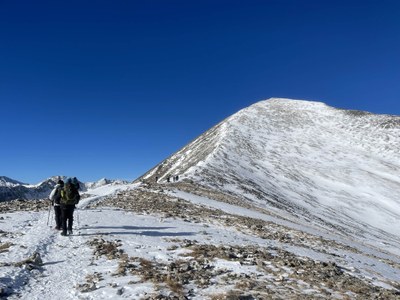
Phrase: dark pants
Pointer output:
(67, 214)
(57, 216)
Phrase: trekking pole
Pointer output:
(77, 218)
(48, 216)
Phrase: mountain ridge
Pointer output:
(7, 181)
(11, 189)
(271, 203)
(305, 160)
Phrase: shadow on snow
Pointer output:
(126, 227)
(145, 231)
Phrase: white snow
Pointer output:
(8, 182)
(352, 260)
(307, 160)
(314, 168)
(68, 260)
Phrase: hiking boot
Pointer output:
(57, 228)
(63, 233)
(69, 232)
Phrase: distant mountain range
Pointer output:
(11, 189)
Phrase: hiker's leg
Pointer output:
(64, 219)
(57, 216)
(70, 217)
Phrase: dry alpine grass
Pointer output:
(5, 247)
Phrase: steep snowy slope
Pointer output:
(330, 168)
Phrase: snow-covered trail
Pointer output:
(69, 254)
(57, 253)
(67, 261)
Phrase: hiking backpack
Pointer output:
(69, 195)
(55, 195)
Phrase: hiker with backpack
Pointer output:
(55, 198)
(69, 198)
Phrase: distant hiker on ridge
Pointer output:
(55, 197)
(69, 198)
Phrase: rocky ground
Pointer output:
(24, 205)
(279, 274)
(272, 272)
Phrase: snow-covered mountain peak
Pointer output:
(5, 181)
(333, 167)
(103, 182)
(285, 199)
(288, 104)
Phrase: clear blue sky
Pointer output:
(110, 88)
